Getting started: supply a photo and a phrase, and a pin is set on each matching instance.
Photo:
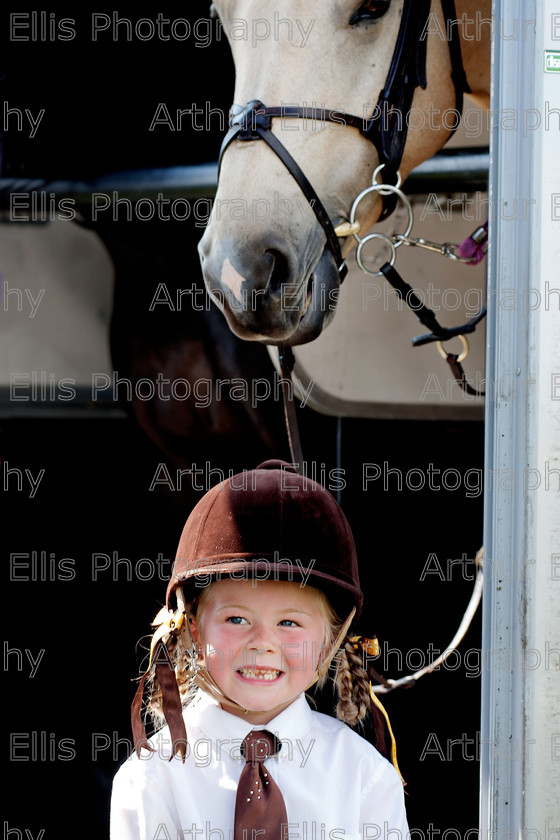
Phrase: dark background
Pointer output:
(99, 100)
(100, 97)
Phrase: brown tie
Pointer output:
(259, 806)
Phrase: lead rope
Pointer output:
(287, 360)
(388, 685)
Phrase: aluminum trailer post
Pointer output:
(520, 728)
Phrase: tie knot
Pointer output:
(259, 745)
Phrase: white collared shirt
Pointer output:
(335, 784)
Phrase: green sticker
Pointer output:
(552, 61)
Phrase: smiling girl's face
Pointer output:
(261, 641)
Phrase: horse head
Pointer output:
(336, 90)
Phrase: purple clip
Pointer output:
(474, 246)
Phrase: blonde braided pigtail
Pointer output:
(181, 649)
(357, 698)
(352, 683)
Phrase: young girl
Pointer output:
(262, 595)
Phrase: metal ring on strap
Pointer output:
(384, 189)
(464, 352)
(364, 241)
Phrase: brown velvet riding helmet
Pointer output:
(270, 523)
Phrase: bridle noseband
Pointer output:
(253, 123)
(386, 128)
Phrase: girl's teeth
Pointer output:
(259, 675)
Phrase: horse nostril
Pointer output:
(280, 271)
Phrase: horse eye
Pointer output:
(213, 12)
(370, 10)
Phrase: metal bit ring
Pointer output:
(364, 240)
(385, 190)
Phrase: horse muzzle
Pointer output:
(267, 296)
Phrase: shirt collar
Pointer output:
(293, 722)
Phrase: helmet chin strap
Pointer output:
(205, 682)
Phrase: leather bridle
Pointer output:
(386, 128)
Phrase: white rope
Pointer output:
(472, 607)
